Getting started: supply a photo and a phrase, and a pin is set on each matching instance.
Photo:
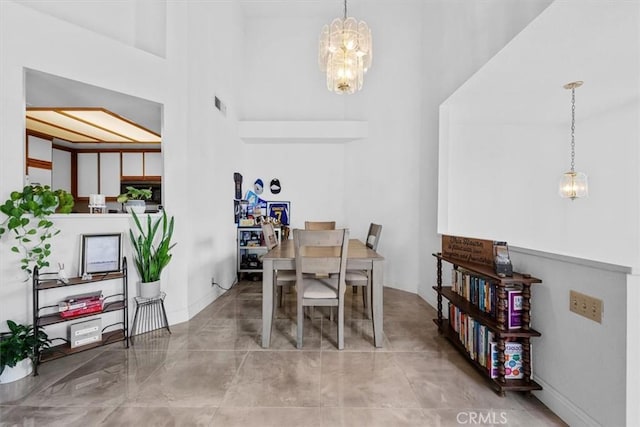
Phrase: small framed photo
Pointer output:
(100, 253)
(280, 210)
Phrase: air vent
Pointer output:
(220, 105)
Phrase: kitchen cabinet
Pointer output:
(61, 169)
(152, 164)
(39, 160)
(132, 164)
(110, 174)
(87, 174)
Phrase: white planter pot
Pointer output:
(149, 289)
(137, 206)
(21, 370)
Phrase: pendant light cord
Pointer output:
(345, 9)
(573, 129)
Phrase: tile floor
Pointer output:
(211, 371)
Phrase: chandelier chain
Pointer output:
(573, 129)
(345, 9)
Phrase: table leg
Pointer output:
(267, 301)
(376, 300)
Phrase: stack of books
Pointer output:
(80, 304)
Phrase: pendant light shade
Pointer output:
(573, 184)
(345, 53)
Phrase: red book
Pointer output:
(89, 296)
(91, 307)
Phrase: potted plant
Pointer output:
(152, 251)
(28, 214)
(134, 199)
(18, 351)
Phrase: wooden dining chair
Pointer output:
(361, 278)
(281, 278)
(321, 261)
(319, 225)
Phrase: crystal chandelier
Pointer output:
(345, 53)
(573, 184)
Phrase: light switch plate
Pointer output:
(586, 306)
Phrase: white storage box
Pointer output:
(87, 332)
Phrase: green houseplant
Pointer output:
(152, 246)
(28, 214)
(134, 199)
(18, 349)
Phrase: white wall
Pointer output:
(570, 357)
(37, 41)
(354, 183)
(515, 113)
(215, 152)
(389, 177)
(458, 38)
(141, 23)
(504, 143)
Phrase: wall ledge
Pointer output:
(310, 132)
(574, 260)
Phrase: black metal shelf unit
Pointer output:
(46, 315)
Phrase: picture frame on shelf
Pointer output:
(100, 253)
(280, 211)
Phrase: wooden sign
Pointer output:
(467, 249)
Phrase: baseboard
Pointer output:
(562, 406)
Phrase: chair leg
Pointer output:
(275, 296)
(366, 295)
(340, 326)
(280, 295)
(300, 325)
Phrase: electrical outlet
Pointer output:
(586, 306)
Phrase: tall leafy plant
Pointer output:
(28, 214)
(152, 248)
(19, 343)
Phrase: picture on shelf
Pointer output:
(100, 253)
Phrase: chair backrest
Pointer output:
(269, 234)
(322, 252)
(373, 236)
(319, 225)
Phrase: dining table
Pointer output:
(359, 257)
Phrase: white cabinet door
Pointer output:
(132, 164)
(87, 174)
(61, 170)
(110, 174)
(39, 160)
(153, 164)
(39, 176)
(39, 148)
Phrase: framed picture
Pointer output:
(100, 253)
(280, 210)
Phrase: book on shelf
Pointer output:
(80, 301)
(513, 360)
(89, 296)
(514, 307)
(80, 311)
(494, 363)
(478, 290)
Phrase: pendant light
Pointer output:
(573, 184)
(345, 53)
